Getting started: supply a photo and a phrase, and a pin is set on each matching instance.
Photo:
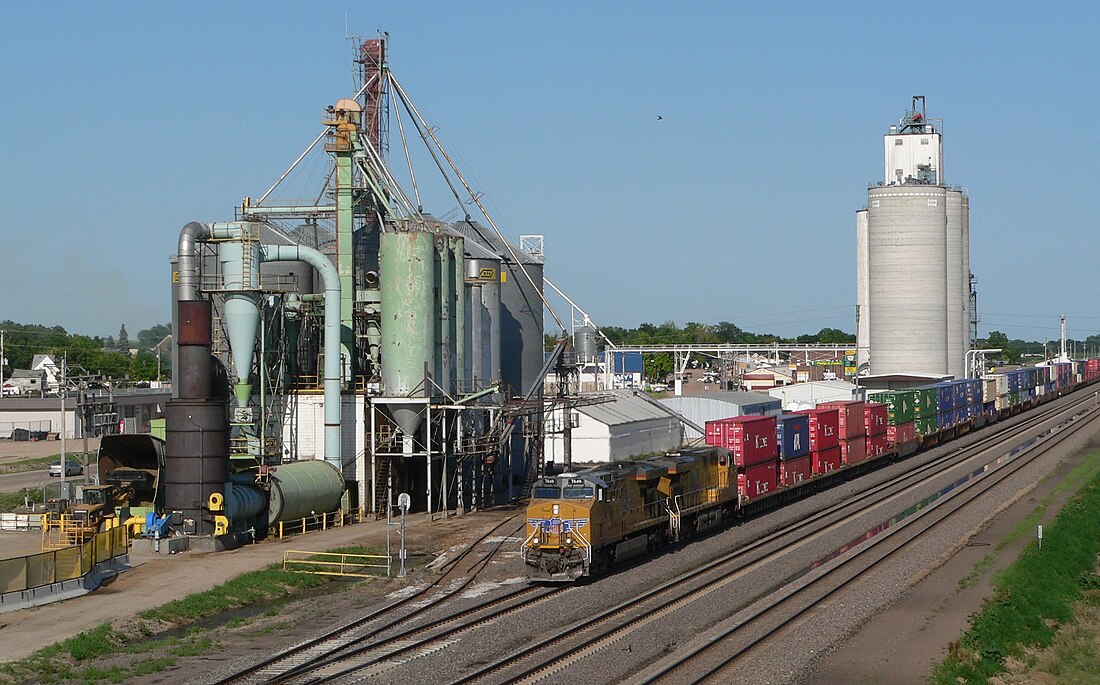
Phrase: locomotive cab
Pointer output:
(558, 546)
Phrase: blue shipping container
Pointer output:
(793, 435)
(945, 396)
(944, 421)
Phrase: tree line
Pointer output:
(108, 356)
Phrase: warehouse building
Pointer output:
(619, 430)
(807, 395)
(722, 405)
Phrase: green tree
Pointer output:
(123, 340)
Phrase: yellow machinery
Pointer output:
(65, 525)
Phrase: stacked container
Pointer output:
(874, 419)
(793, 439)
(752, 441)
(824, 439)
(853, 433)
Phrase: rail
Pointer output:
(336, 563)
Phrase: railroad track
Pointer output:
(543, 659)
(757, 625)
(295, 662)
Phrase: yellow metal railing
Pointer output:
(306, 524)
(336, 563)
(69, 563)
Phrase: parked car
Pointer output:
(72, 468)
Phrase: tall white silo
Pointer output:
(863, 304)
(957, 301)
(907, 278)
(966, 271)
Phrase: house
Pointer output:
(48, 365)
(767, 378)
(627, 427)
(25, 383)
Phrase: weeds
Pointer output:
(1033, 596)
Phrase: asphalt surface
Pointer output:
(13, 482)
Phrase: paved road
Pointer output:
(14, 482)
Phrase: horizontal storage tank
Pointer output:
(304, 488)
(907, 279)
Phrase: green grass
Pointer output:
(56, 663)
(1033, 596)
(979, 570)
(10, 500)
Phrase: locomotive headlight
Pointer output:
(568, 540)
(555, 509)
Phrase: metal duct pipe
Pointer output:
(188, 255)
(301, 253)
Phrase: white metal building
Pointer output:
(613, 431)
(721, 405)
(806, 395)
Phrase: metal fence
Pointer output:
(70, 563)
(336, 563)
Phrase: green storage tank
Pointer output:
(304, 488)
(406, 276)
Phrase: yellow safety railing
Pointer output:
(306, 524)
(336, 563)
(69, 563)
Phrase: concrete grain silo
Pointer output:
(912, 259)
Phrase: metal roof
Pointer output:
(742, 398)
(625, 409)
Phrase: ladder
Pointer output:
(673, 506)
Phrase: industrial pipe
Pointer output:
(301, 253)
(188, 255)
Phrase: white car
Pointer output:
(72, 468)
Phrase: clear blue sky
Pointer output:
(121, 122)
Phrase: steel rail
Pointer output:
(742, 559)
(339, 638)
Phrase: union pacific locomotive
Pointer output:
(579, 524)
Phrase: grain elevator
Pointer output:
(912, 258)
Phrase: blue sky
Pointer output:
(121, 122)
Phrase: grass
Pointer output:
(60, 662)
(10, 500)
(979, 570)
(1033, 596)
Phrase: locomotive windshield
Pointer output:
(546, 492)
(579, 492)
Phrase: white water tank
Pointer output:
(907, 278)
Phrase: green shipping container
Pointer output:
(926, 425)
(899, 405)
(924, 402)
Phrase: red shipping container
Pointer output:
(751, 438)
(903, 432)
(850, 417)
(756, 481)
(824, 428)
(826, 460)
(794, 471)
(874, 418)
(853, 451)
(877, 445)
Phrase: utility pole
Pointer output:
(1063, 357)
(64, 489)
(2, 362)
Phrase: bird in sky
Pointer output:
(659, 117)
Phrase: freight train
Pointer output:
(579, 524)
